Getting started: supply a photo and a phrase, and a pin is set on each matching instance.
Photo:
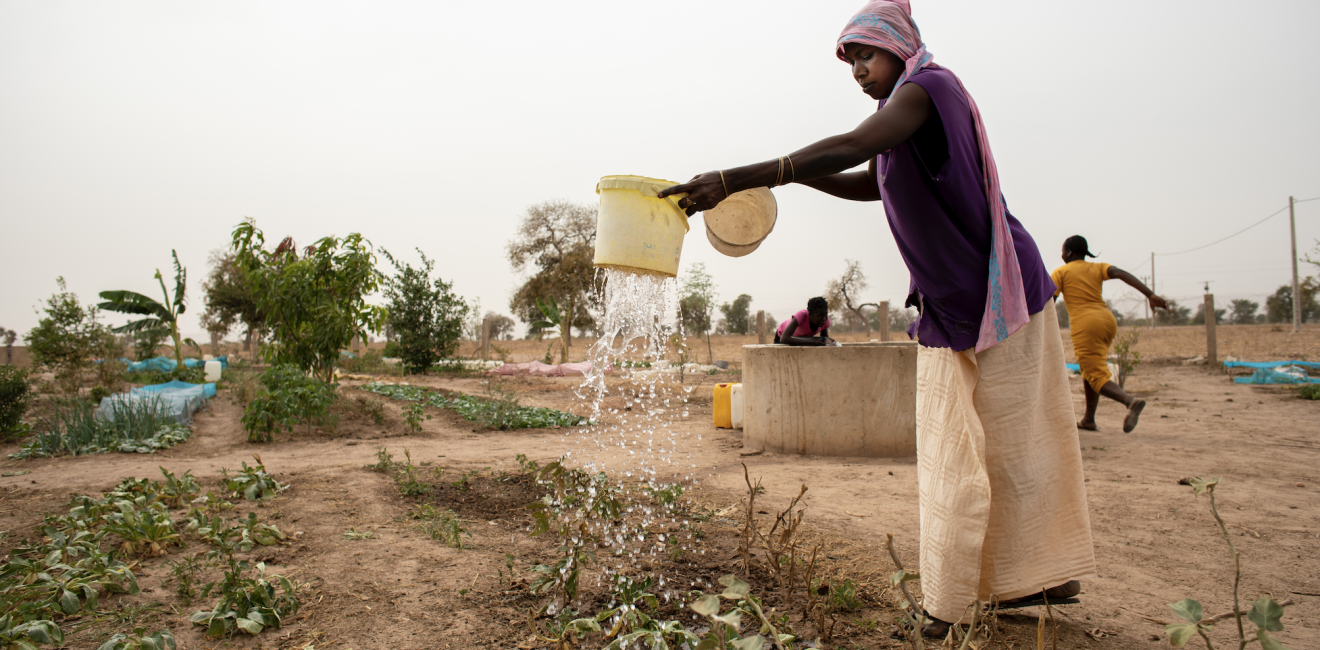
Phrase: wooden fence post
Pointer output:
(884, 320)
(760, 327)
(485, 339)
(1211, 345)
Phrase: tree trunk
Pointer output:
(710, 356)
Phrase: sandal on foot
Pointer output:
(1088, 426)
(1061, 592)
(1134, 413)
(933, 629)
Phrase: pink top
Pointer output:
(803, 325)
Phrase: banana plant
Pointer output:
(554, 320)
(161, 317)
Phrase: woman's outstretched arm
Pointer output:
(1156, 302)
(900, 117)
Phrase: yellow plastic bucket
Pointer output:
(635, 229)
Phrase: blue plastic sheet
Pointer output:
(162, 364)
(200, 363)
(1270, 364)
(1075, 367)
(207, 390)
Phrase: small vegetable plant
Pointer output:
(291, 397)
(253, 483)
(1265, 613)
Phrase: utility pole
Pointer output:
(1297, 288)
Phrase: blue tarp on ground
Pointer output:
(1270, 364)
(1075, 367)
(163, 364)
(208, 390)
(1275, 372)
(180, 399)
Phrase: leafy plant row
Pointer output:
(500, 410)
(90, 552)
(71, 427)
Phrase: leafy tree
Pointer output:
(501, 326)
(67, 338)
(1175, 314)
(9, 336)
(425, 317)
(1279, 307)
(230, 299)
(557, 240)
(696, 300)
(1244, 312)
(290, 397)
(161, 317)
(314, 303)
(737, 315)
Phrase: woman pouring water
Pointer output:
(1002, 503)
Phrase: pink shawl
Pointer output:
(888, 26)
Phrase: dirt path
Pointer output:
(1154, 542)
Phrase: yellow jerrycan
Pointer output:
(635, 229)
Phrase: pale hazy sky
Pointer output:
(130, 128)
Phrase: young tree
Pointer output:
(9, 336)
(230, 299)
(1243, 311)
(557, 240)
(696, 301)
(67, 337)
(737, 315)
(846, 290)
(161, 317)
(425, 317)
(1279, 307)
(315, 303)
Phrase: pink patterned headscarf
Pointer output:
(888, 26)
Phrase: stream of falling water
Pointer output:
(634, 395)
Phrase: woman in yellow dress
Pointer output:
(1094, 326)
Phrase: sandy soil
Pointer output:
(1155, 543)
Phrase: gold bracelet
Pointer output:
(725, 184)
(779, 180)
(791, 169)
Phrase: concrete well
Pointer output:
(859, 399)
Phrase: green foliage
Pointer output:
(407, 479)
(1265, 613)
(384, 461)
(147, 341)
(314, 304)
(1310, 391)
(558, 240)
(500, 410)
(1279, 307)
(441, 526)
(181, 373)
(737, 315)
(140, 640)
(252, 483)
(426, 317)
(229, 297)
(578, 507)
(372, 408)
(290, 397)
(18, 635)
(1126, 354)
(249, 604)
(1175, 314)
(71, 427)
(159, 317)
(1244, 311)
(15, 398)
(186, 573)
(67, 338)
(412, 416)
(552, 319)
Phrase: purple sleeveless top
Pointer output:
(933, 190)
